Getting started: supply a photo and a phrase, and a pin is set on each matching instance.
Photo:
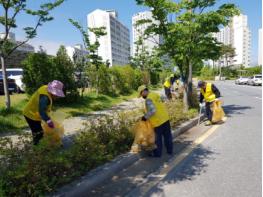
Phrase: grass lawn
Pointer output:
(12, 121)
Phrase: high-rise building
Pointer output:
(223, 36)
(238, 35)
(139, 29)
(241, 40)
(260, 46)
(115, 45)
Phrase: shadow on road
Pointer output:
(235, 109)
(194, 165)
(128, 182)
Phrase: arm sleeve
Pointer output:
(150, 108)
(163, 98)
(43, 104)
(201, 98)
(216, 91)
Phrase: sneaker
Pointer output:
(153, 155)
(208, 123)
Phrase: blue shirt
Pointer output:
(43, 105)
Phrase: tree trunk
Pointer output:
(97, 81)
(189, 85)
(185, 98)
(188, 88)
(7, 96)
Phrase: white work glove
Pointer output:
(201, 105)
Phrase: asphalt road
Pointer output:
(222, 160)
(228, 162)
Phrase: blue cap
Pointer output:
(200, 84)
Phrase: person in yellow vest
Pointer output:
(168, 85)
(39, 106)
(158, 116)
(209, 93)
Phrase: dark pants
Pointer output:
(209, 113)
(168, 92)
(164, 131)
(37, 131)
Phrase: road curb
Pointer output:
(101, 173)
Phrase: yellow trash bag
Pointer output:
(144, 136)
(53, 135)
(218, 112)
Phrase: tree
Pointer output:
(80, 64)
(11, 10)
(64, 71)
(146, 61)
(187, 27)
(94, 59)
(227, 53)
(40, 68)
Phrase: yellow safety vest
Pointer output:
(167, 83)
(208, 93)
(161, 115)
(31, 109)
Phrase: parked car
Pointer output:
(241, 80)
(255, 80)
(17, 75)
(11, 85)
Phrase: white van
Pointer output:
(17, 75)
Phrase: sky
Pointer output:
(60, 32)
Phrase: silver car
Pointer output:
(241, 80)
(255, 80)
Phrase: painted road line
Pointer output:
(149, 182)
(258, 98)
(189, 149)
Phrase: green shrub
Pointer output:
(154, 78)
(253, 70)
(138, 79)
(125, 79)
(104, 80)
(177, 113)
(27, 170)
(37, 71)
(229, 72)
(64, 72)
(119, 82)
(207, 73)
(40, 69)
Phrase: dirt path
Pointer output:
(73, 125)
